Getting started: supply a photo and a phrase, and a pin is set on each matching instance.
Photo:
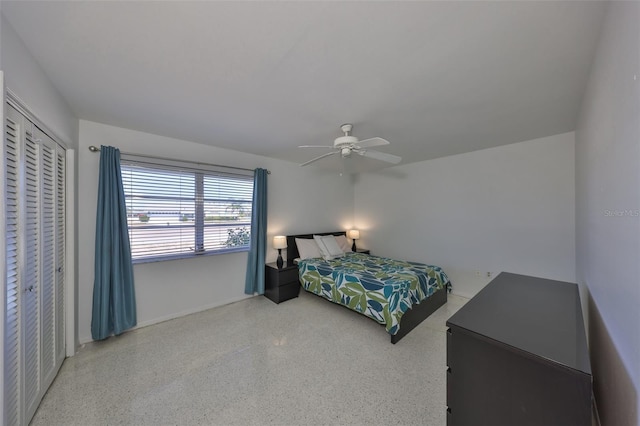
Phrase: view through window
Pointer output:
(178, 212)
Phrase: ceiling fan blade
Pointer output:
(382, 156)
(368, 143)
(318, 158)
(315, 146)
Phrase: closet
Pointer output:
(33, 259)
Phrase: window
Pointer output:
(176, 212)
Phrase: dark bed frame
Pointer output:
(411, 318)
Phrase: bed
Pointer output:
(397, 294)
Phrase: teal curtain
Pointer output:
(114, 301)
(254, 282)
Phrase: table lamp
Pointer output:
(354, 234)
(279, 242)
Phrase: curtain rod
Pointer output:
(93, 148)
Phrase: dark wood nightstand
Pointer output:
(363, 251)
(281, 284)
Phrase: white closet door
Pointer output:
(61, 259)
(34, 189)
(48, 255)
(12, 347)
(32, 273)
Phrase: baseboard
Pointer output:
(596, 415)
(613, 386)
(88, 339)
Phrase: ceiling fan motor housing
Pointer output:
(344, 141)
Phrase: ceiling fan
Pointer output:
(345, 145)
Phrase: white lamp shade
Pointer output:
(354, 234)
(279, 242)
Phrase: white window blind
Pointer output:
(178, 212)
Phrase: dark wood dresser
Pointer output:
(517, 355)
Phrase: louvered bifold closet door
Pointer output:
(60, 253)
(33, 165)
(32, 273)
(48, 255)
(12, 348)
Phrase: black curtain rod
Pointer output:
(93, 148)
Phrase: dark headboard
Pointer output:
(292, 249)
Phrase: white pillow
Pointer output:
(332, 245)
(328, 247)
(307, 248)
(323, 248)
(343, 243)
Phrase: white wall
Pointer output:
(508, 208)
(25, 78)
(299, 201)
(607, 208)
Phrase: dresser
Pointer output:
(281, 283)
(517, 355)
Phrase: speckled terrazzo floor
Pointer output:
(303, 362)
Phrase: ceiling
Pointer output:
(434, 78)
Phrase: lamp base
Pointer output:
(279, 262)
(353, 247)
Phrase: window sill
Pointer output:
(189, 255)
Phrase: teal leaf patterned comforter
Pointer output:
(381, 288)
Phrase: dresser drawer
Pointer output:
(288, 276)
(289, 291)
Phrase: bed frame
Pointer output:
(411, 318)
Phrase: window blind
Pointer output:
(177, 212)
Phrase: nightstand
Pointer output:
(281, 284)
(363, 251)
